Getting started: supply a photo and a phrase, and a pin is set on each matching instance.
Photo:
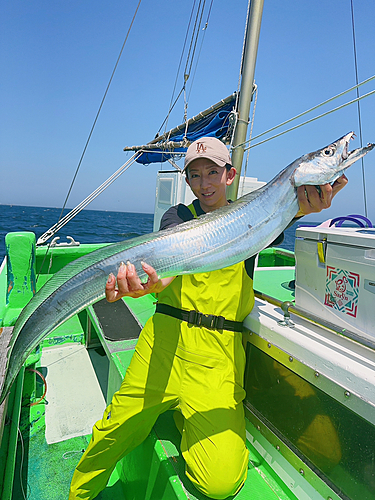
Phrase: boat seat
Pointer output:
(111, 315)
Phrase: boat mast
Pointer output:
(246, 90)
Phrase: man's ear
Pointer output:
(231, 174)
(187, 180)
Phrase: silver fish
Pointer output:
(214, 241)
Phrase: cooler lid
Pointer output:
(353, 236)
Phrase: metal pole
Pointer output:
(247, 80)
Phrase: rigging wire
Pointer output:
(187, 73)
(70, 215)
(92, 129)
(200, 47)
(189, 59)
(194, 39)
(308, 121)
(357, 100)
(171, 106)
(309, 110)
(358, 107)
(99, 110)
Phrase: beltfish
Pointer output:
(213, 241)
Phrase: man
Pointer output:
(181, 362)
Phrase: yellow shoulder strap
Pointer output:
(192, 210)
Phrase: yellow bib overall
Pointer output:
(195, 370)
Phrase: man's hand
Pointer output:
(313, 200)
(130, 285)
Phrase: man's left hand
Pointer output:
(312, 200)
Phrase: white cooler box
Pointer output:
(335, 276)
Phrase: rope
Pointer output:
(21, 466)
(358, 108)
(44, 383)
(185, 112)
(304, 123)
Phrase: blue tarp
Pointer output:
(215, 124)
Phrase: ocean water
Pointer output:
(89, 226)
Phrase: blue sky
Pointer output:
(56, 59)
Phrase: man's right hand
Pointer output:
(130, 285)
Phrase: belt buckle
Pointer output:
(207, 320)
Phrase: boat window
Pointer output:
(165, 191)
(335, 442)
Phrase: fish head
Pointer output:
(327, 164)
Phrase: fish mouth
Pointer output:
(349, 157)
(345, 153)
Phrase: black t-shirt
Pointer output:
(180, 213)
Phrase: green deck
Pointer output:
(155, 470)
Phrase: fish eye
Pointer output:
(328, 151)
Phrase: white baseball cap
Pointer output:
(208, 147)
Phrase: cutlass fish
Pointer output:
(214, 241)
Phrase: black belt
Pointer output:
(199, 319)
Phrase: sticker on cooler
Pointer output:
(342, 290)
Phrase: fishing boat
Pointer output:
(309, 342)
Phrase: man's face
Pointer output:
(208, 182)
